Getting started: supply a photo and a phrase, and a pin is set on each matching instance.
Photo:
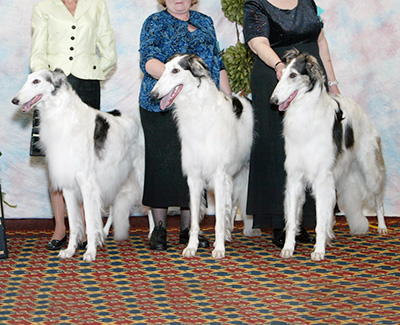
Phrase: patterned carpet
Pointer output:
(357, 283)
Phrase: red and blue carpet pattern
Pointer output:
(357, 283)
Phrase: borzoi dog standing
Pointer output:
(93, 157)
(216, 133)
(330, 145)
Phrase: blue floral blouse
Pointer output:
(163, 35)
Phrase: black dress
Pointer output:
(286, 29)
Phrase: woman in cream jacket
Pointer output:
(75, 36)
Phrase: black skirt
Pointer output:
(164, 183)
(267, 174)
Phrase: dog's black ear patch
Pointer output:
(195, 65)
(237, 107)
(290, 55)
(100, 134)
(58, 78)
(115, 112)
(338, 131)
(349, 136)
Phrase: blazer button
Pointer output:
(94, 67)
(71, 48)
(71, 58)
(73, 26)
(72, 37)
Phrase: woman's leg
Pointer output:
(158, 238)
(58, 204)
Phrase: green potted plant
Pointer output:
(237, 58)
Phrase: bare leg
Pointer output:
(58, 205)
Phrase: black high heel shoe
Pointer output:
(55, 244)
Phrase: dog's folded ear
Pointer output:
(290, 55)
(58, 78)
(313, 69)
(197, 66)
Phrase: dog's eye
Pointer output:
(292, 75)
(36, 81)
(175, 71)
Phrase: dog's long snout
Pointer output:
(15, 101)
(274, 100)
(154, 94)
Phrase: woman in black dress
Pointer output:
(272, 27)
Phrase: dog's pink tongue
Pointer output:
(287, 102)
(28, 105)
(168, 99)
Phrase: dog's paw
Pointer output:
(89, 256)
(218, 253)
(287, 253)
(252, 232)
(66, 253)
(382, 231)
(317, 256)
(189, 252)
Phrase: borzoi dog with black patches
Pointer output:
(216, 133)
(330, 145)
(93, 157)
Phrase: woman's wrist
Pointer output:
(276, 65)
(333, 83)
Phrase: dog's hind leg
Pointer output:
(294, 200)
(75, 222)
(240, 184)
(325, 200)
(351, 194)
(196, 187)
(374, 177)
(126, 198)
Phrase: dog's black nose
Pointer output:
(15, 101)
(274, 101)
(154, 94)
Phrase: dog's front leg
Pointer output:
(223, 208)
(325, 199)
(195, 188)
(294, 199)
(75, 223)
(94, 222)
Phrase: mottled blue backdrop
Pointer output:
(363, 38)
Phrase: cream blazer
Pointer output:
(82, 45)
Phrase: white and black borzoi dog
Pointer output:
(93, 157)
(330, 145)
(216, 133)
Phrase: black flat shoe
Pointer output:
(158, 239)
(303, 237)
(278, 238)
(82, 245)
(55, 244)
(184, 238)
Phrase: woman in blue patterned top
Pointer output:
(174, 30)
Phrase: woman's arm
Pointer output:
(224, 82)
(38, 58)
(327, 62)
(154, 68)
(260, 45)
(106, 41)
